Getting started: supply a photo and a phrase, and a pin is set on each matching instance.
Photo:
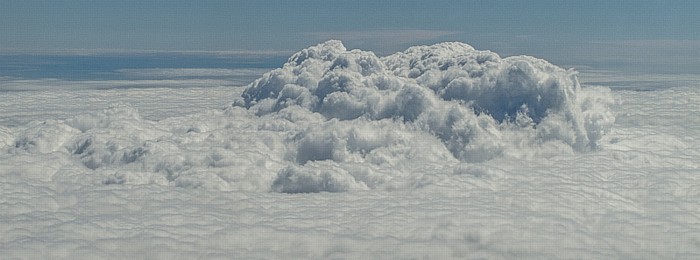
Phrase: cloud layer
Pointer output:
(379, 158)
(339, 120)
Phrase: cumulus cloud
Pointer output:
(467, 98)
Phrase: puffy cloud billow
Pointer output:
(476, 103)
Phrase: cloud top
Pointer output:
(471, 100)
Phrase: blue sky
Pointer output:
(566, 32)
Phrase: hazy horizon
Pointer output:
(646, 36)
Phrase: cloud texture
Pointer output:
(469, 99)
(437, 152)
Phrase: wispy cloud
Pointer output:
(662, 43)
(96, 52)
(657, 56)
(11, 84)
(191, 72)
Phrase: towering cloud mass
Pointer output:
(474, 102)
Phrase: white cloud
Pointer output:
(467, 98)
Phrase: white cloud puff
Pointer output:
(465, 97)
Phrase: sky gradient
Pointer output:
(663, 34)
